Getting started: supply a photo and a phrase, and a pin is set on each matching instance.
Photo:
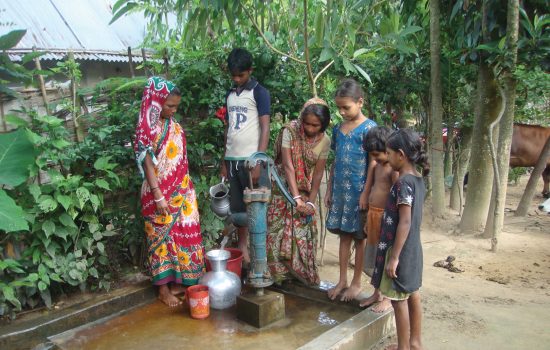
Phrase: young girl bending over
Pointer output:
(346, 183)
(398, 267)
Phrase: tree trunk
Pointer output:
(427, 144)
(506, 124)
(487, 230)
(449, 150)
(532, 183)
(368, 105)
(461, 166)
(450, 145)
(480, 179)
(438, 185)
(306, 50)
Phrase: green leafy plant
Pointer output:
(16, 155)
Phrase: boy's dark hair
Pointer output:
(350, 88)
(175, 92)
(239, 60)
(411, 144)
(320, 111)
(376, 139)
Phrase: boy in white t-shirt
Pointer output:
(247, 131)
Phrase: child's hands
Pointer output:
(328, 199)
(255, 174)
(363, 201)
(391, 267)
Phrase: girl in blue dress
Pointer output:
(346, 184)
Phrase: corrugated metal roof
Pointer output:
(81, 26)
(17, 55)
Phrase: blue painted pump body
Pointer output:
(257, 201)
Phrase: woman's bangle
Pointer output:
(158, 200)
(296, 197)
(312, 205)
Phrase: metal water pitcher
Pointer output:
(223, 286)
(219, 195)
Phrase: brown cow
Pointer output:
(527, 144)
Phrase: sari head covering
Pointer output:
(155, 93)
(174, 241)
(313, 101)
(303, 157)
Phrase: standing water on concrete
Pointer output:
(157, 326)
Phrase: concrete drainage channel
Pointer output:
(361, 329)
(34, 333)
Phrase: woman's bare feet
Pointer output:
(168, 298)
(382, 306)
(334, 291)
(391, 347)
(176, 289)
(351, 293)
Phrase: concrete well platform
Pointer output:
(138, 320)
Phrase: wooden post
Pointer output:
(130, 62)
(83, 105)
(2, 115)
(77, 128)
(145, 69)
(41, 81)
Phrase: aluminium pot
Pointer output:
(223, 286)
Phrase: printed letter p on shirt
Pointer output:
(240, 118)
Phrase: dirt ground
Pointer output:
(500, 301)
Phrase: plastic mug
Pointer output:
(199, 301)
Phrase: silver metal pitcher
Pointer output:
(219, 201)
(223, 286)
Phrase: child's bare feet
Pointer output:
(176, 289)
(168, 298)
(334, 291)
(352, 292)
(391, 347)
(382, 306)
(374, 298)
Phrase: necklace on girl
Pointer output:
(312, 142)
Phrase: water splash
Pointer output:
(224, 242)
(326, 320)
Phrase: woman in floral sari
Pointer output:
(301, 153)
(168, 201)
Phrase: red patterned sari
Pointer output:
(175, 249)
(291, 242)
